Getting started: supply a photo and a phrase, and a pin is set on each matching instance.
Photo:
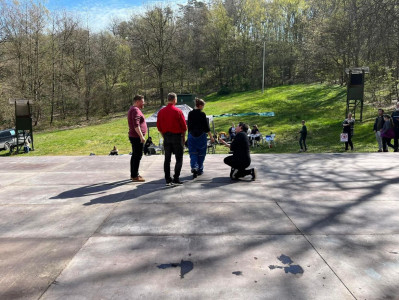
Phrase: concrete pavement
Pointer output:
(312, 226)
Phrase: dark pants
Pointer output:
(396, 138)
(386, 142)
(137, 153)
(238, 164)
(349, 142)
(303, 139)
(173, 143)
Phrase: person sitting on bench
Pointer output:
(148, 144)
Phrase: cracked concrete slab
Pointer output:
(312, 226)
(29, 266)
(368, 264)
(222, 267)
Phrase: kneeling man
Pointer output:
(240, 159)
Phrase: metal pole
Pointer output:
(263, 77)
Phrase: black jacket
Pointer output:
(304, 131)
(348, 129)
(395, 119)
(379, 122)
(240, 148)
(197, 123)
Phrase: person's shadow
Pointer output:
(139, 189)
(93, 189)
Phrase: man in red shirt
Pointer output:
(172, 125)
(137, 131)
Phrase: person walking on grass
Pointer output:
(387, 133)
(241, 158)
(395, 119)
(137, 131)
(172, 125)
(302, 138)
(198, 129)
(378, 124)
(348, 126)
(232, 132)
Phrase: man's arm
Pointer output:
(211, 137)
(224, 143)
(138, 130)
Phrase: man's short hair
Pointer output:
(138, 98)
(243, 126)
(381, 109)
(172, 96)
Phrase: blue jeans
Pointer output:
(197, 149)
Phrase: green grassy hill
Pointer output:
(322, 106)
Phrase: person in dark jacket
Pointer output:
(348, 126)
(302, 138)
(114, 151)
(255, 136)
(241, 158)
(387, 133)
(198, 129)
(395, 119)
(147, 145)
(379, 122)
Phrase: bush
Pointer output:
(225, 90)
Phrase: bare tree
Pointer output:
(152, 39)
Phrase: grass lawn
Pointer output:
(322, 106)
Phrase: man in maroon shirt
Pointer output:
(172, 125)
(137, 131)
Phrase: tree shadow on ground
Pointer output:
(292, 176)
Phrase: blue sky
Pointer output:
(97, 14)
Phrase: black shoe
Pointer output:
(177, 182)
(195, 173)
(200, 172)
(253, 173)
(169, 182)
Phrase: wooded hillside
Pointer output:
(72, 72)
